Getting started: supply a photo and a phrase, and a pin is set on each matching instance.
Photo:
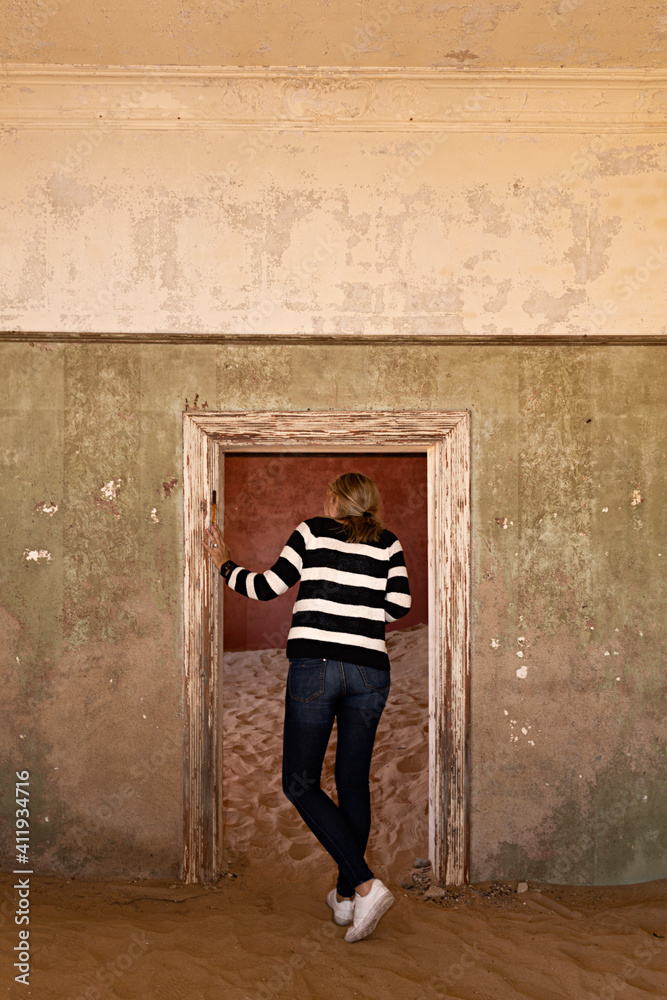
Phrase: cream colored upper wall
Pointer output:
(263, 232)
(550, 33)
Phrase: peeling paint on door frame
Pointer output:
(445, 437)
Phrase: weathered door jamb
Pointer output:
(445, 437)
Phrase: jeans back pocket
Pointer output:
(305, 678)
(375, 679)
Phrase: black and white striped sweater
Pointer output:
(348, 591)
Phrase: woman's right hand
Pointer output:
(217, 549)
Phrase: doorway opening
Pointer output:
(265, 497)
(444, 438)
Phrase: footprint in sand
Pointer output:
(299, 852)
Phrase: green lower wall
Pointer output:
(568, 487)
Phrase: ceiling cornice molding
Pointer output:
(411, 99)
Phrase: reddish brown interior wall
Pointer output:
(266, 496)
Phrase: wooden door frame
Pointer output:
(445, 437)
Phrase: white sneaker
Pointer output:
(368, 909)
(343, 911)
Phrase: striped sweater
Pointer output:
(348, 591)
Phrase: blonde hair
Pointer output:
(357, 493)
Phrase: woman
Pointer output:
(353, 581)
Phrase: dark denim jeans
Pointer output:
(317, 691)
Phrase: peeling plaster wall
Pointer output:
(345, 33)
(568, 637)
(332, 232)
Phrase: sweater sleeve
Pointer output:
(284, 573)
(397, 598)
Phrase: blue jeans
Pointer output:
(317, 691)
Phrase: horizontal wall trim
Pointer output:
(43, 96)
(174, 337)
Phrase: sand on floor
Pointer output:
(264, 931)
